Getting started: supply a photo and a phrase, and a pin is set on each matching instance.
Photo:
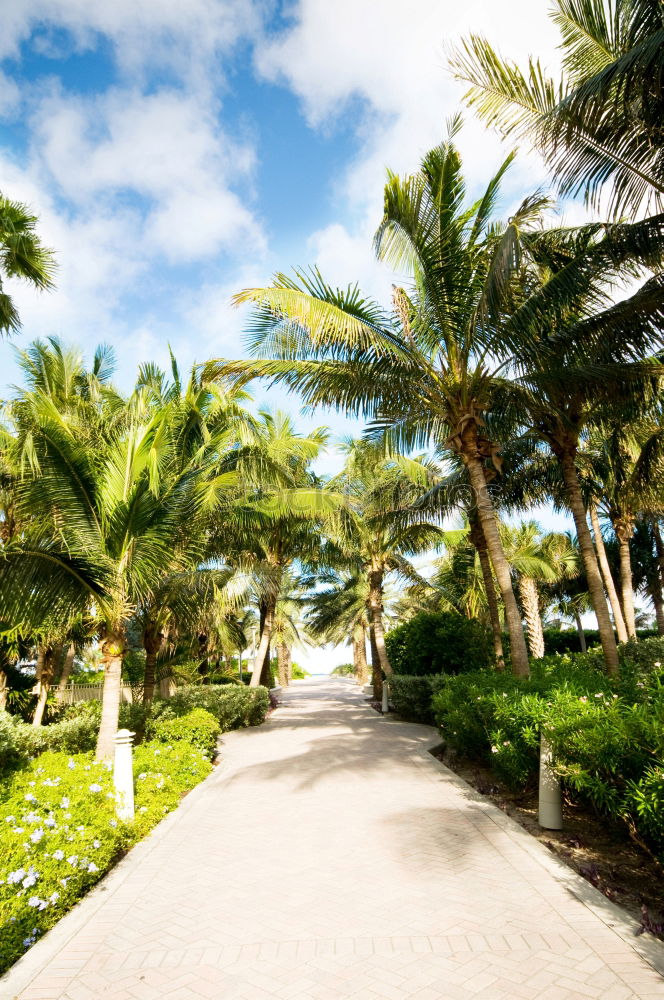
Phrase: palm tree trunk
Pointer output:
(113, 650)
(609, 584)
(153, 639)
(376, 671)
(282, 664)
(263, 651)
(67, 668)
(579, 631)
(479, 541)
(4, 689)
(289, 665)
(376, 611)
(360, 654)
(623, 530)
(531, 611)
(487, 519)
(656, 595)
(595, 587)
(45, 665)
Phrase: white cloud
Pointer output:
(187, 37)
(384, 69)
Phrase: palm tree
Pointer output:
(427, 373)
(376, 532)
(339, 610)
(600, 126)
(624, 468)
(22, 255)
(120, 507)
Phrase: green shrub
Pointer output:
(14, 749)
(198, 727)
(344, 670)
(411, 697)
(298, 673)
(435, 643)
(233, 706)
(568, 641)
(59, 833)
(607, 734)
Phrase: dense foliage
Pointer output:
(607, 734)
(434, 643)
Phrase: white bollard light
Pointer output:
(385, 707)
(123, 775)
(550, 795)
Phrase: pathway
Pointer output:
(328, 857)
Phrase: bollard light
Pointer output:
(123, 775)
(385, 707)
(550, 795)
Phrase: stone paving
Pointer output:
(330, 856)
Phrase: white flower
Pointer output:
(143, 809)
(32, 818)
(30, 879)
(64, 803)
(80, 829)
(142, 776)
(54, 897)
(600, 694)
(16, 876)
(17, 829)
(36, 835)
(10, 819)
(49, 822)
(72, 859)
(95, 787)
(63, 882)
(29, 797)
(58, 855)
(96, 843)
(92, 867)
(36, 902)
(71, 765)
(112, 822)
(494, 749)
(657, 663)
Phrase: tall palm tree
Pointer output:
(339, 610)
(599, 127)
(427, 372)
(111, 521)
(22, 255)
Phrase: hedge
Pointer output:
(411, 697)
(607, 734)
(439, 642)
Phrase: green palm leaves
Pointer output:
(22, 255)
(600, 126)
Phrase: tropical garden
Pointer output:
(175, 543)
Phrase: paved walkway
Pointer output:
(330, 857)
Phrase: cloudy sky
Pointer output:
(179, 150)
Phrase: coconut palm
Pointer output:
(121, 510)
(339, 610)
(22, 255)
(599, 127)
(426, 372)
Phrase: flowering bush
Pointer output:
(59, 833)
(607, 734)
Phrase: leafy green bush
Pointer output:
(298, 673)
(59, 833)
(411, 697)
(235, 707)
(436, 643)
(607, 734)
(198, 727)
(556, 641)
(344, 670)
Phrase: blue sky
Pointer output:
(179, 150)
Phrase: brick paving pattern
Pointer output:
(329, 856)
